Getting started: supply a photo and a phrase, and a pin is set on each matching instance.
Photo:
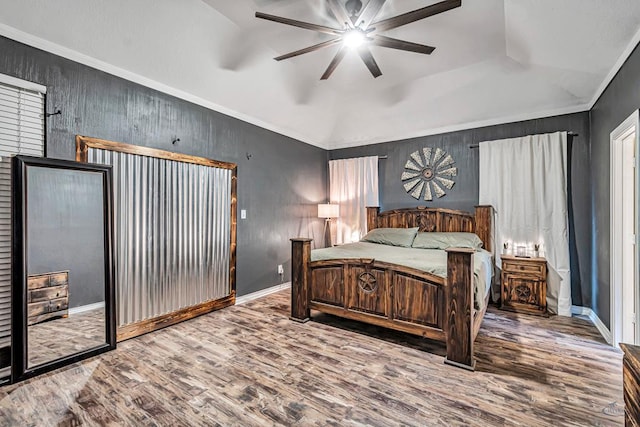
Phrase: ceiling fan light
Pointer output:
(353, 38)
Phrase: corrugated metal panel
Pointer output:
(172, 223)
(21, 132)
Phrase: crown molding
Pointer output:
(501, 120)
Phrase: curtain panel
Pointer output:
(353, 184)
(525, 179)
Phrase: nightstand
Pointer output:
(524, 285)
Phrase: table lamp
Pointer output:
(328, 211)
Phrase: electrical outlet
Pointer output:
(280, 269)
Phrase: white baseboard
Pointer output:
(88, 307)
(580, 311)
(263, 293)
(586, 311)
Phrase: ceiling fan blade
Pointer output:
(369, 13)
(389, 42)
(371, 64)
(300, 24)
(340, 13)
(309, 49)
(416, 15)
(334, 63)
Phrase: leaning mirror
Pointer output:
(63, 299)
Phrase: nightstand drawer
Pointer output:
(529, 268)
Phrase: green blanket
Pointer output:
(432, 261)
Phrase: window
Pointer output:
(21, 132)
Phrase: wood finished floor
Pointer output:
(250, 366)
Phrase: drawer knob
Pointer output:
(57, 294)
(521, 267)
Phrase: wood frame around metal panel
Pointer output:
(84, 143)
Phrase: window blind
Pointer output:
(21, 132)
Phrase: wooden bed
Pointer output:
(403, 298)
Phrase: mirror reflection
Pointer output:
(65, 263)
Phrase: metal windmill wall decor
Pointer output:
(427, 172)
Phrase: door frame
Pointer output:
(616, 170)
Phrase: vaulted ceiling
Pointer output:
(495, 60)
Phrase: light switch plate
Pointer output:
(243, 214)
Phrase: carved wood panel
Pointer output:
(417, 302)
(523, 290)
(426, 221)
(328, 285)
(369, 290)
(456, 222)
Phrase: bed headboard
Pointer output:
(437, 219)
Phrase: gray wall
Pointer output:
(65, 229)
(619, 100)
(464, 195)
(279, 184)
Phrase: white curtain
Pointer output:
(525, 179)
(353, 184)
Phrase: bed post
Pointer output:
(459, 308)
(372, 217)
(484, 226)
(300, 259)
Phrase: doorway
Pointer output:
(625, 295)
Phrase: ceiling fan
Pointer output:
(358, 30)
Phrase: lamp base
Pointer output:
(327, 238)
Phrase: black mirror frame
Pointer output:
(19, 351)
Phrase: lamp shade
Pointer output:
(328, 210)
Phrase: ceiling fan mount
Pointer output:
(359, 30)
(353, 7)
